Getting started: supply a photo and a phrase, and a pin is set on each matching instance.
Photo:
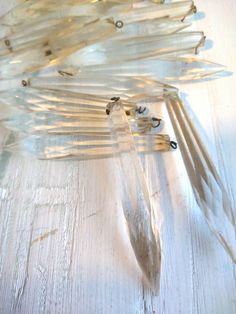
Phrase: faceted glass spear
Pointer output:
(124, 11)
(158, 26)
(59, 124)
(167, 69)
(208, 188)
(138, 212)
(58, 100)
(80, 146)
(142, 75)
(138, 48)
(101, 85)
(28, 36)
(50, 48)
(54, 123)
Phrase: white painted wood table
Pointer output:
(63, 246)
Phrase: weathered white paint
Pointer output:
(63, 246)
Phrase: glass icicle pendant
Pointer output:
(138, 48)
(167, 69)
(38, 117)
(92, 84)
(81, 146)
(125, 11)
(59, 101)
(138, 212)
(50, 50)
(46, 49)
(62, 123)
(208, 189)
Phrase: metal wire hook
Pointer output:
(156, 122)
(141, 109)
(119, 24)
(115, 99)
(173, 145)
(24, 83)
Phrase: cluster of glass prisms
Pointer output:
(82, 73)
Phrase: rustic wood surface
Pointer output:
(63, 244)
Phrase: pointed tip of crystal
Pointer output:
(206, 64)
(194, 69)
(213, 66)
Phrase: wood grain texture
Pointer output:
(63, 243)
